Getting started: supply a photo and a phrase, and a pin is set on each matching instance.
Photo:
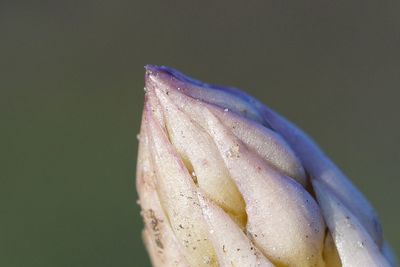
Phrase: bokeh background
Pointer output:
(71, 92)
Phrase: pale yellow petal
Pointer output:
(232, 246)
(164, 248)
(178, 197)
(203, 160)
(283, 219)
(354, 244)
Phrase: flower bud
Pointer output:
(225, 181)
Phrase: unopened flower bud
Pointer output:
(225, 181)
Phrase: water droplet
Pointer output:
(226, 110)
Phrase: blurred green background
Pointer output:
(71, 91)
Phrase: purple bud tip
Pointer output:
(233, 94)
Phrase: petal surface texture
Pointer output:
(225, 181)
(233, 247)
(355, 246)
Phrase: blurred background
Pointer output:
(71, 93)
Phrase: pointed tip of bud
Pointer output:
(173, 73)
(164, 74)
(166, 79)
(179, 76)
(224, 97)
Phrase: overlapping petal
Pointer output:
(225, 181)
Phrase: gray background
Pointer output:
(71, 91)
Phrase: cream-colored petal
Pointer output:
(268, 144)
(178, 197)
(354, 244)
(202, 157)
(160, 241)
(284, 220)
(232, 246)
(319, 166)
(152, 249)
